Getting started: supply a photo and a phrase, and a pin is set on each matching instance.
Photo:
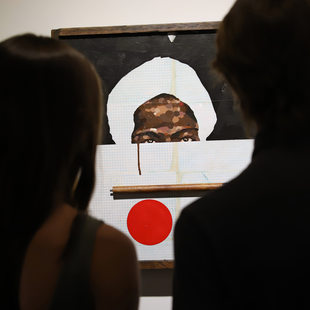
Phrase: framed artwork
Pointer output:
(159, 86)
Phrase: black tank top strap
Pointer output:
(73, 286)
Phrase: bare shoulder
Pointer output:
(108, 236)
(114, 272)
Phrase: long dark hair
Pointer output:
(263, 52)
(50, 117)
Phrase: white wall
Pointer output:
(40, 16)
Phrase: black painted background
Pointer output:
(116, 55)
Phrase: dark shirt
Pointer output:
(247, 245)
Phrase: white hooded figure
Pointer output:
(160, 76)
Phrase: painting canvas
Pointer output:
(159, 87)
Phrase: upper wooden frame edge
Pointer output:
(81, 31)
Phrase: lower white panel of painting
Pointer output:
(162, 163)
(155, 303)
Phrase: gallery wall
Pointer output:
(40, 16)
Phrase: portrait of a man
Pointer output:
(164, 118)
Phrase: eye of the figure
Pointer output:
(186, 139)
(150, 141)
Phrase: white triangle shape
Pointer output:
(171, 37)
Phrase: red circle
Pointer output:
(149, 222)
